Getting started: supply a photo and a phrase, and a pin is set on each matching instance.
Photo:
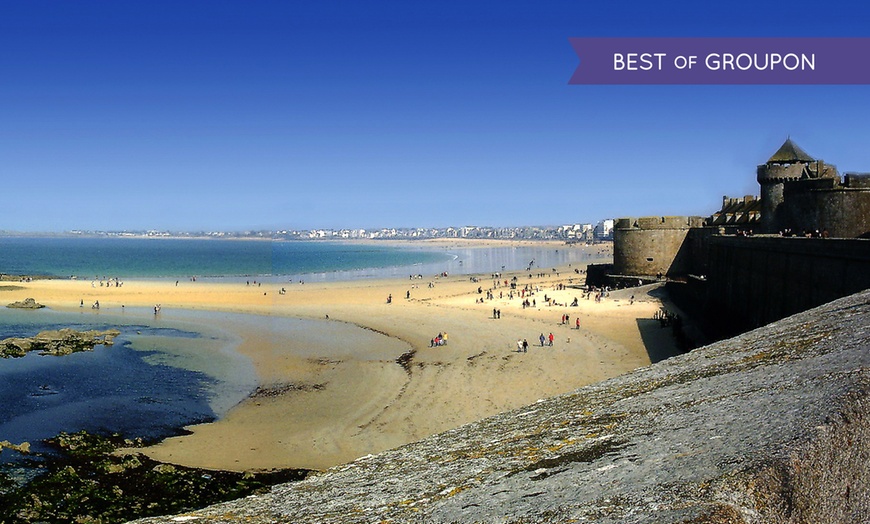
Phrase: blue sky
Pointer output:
(233, 115)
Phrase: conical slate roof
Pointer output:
(790, 153)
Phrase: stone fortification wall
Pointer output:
(756, 280)
(843, 211)
(653, 245)
(772, 426)
(842, 207)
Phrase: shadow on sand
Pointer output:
(659, 341)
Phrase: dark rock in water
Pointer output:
(770, 426)
(58, 342)
(104, 480)
(27, 303)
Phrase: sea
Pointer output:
(162, 375)
(174, 258)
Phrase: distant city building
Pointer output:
(604, 229)
(568, 233)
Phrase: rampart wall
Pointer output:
(752, 281)
(843, 212)
(653, 245)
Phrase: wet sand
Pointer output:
(369, 381)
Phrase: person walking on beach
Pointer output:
(543, 339)
(519, 345)
(551, 339)
(578, 322)
(525, 346)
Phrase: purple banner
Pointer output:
(722, 60)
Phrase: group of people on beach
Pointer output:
(439, 340)
(523, 344)
(111, 282)
(567, 320)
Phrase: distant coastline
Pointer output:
(571, 233)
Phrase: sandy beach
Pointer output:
(369, 380)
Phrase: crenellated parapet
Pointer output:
(773, 173)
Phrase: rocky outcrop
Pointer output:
(57, 342)
(769, 426)
(27, 303)
(23, 448)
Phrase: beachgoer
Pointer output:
(551, 339)
(525, 346)
(543, 339)
(519, 345)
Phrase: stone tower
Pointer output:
(789, 164)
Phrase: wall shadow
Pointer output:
(659, 341)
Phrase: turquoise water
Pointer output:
(90, 258)
(179, 258)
